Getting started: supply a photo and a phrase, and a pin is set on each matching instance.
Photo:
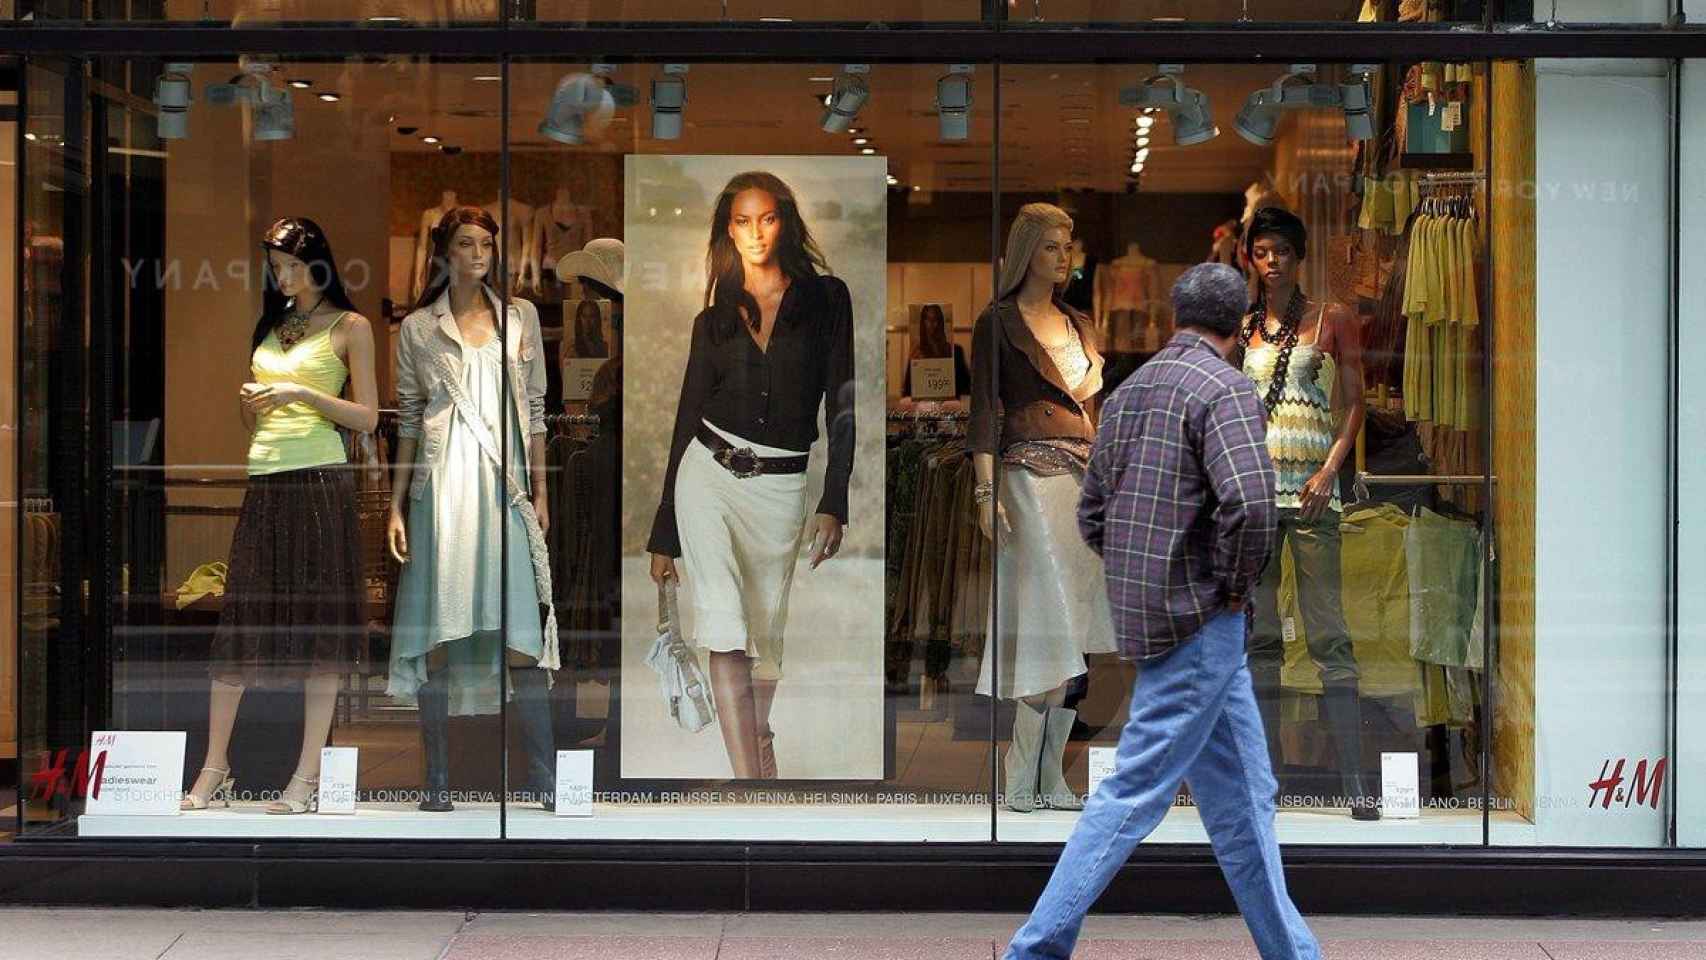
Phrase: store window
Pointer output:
(693, 355)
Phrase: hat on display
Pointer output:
(600, 261)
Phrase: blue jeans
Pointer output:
(1193, 718)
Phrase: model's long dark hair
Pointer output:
(725, 273)
(439, 266)
(933, 342)
(303, 239)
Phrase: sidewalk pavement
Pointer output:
(126, 934)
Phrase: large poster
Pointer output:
(804, 700)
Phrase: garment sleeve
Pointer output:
(983, 433)
(537, 379)
(1099, 482)
(410, 402)
(1235, 458)
(696, 385)
(838, 402)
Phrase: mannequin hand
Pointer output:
(826, 538)
(988, 515)
(663, 568)
(397, 535)
(541, 506)
(1318, 494)
(263, 398)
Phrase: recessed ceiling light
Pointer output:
(384, 19)
(868, 151)
(821, 79)
(302, 84)
(916, 188)
(429, 139)
(330, 97)
(861, 141)
(775, 19)
(488, 78)
(1143, 141)
(855, 131)
(1144, 123)
(30, 136)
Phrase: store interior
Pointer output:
(377, 151)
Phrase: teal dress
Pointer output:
(450, 587)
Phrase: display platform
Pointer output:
(822, 823)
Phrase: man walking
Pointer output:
(1179, 502)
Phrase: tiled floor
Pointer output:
(321, 935)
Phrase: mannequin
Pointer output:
(1306, 360)
(1035, 371)
(295, 601)
(516, 223)
(423, 241)
(1126, 296)
(471, 592)
(735, 486)
(558, 229)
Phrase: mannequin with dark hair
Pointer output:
(1305, 357)
(294, 598)
(471, 384)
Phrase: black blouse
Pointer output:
(771, 396)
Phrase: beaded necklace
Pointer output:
(1290, 325)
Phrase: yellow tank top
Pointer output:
(297, 436)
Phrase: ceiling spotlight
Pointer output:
(1137, 168)
(842, 104)
(1143, 155)
(1188, 107)
(861, 141)
(669, 100)
(302, 84)
(173, 95)
(1143, 141)
(953, 102)
(429, 139)
(275, 114)
(488, 78)
(1260, 117)
(868, 151)
(330, 97)
(579, 99)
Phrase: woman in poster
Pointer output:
(1035, 372)
(773, 344)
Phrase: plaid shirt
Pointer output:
(1179, 497)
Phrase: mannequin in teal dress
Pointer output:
(452, 633)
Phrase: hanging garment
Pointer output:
(1442, 556)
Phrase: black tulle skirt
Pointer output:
(295, 603)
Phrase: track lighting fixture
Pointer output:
(953, 102)
(1188, 107)
(1260, 116)
(669, 102)
(580, 101)
(844, 102)
(173, 94)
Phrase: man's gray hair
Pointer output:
(1212, 297)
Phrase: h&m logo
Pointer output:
(1644, 788)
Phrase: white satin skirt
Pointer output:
(740, 542)
(1051, 598)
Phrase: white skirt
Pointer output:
(1051, 595)
(740, 540)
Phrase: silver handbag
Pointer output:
(679, 677)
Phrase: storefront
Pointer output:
(733, 264)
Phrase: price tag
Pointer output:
(1452, 117)
(574, 783)
(578, 374)
(337, 779)
(1101, 765)
(135, 772)
(1288, 631)
(933, 379)
(1400, 787)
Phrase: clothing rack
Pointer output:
(1433, 178)
(927, 423)
(1364, 478)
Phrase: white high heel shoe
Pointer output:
(284, 806)
(221, 794)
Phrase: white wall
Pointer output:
(1603, 277)
(1691, 482)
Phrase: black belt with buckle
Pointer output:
(743, 462)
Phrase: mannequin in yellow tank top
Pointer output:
(294, 601)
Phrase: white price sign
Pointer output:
(933, 379)
(1400, 787)
(136, 772)
(337, 779)
(1101, 765)
(574, 783)
(578, 374)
